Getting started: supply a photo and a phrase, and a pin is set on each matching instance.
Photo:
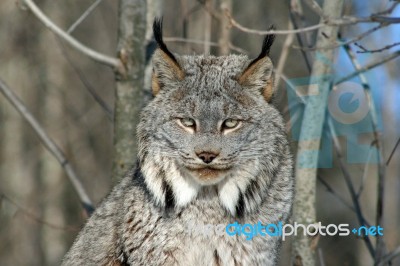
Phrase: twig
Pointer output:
(345, 20)
(315, 7)
(368, 67)
(297, 18)
(106, 108)
(365, 50)
(284, 55)
(201, 42)
(340, 198)
(357, 38)
(321, 257)
(339, 44)
(392, 153)
(96, 56)
(379, 144)
(367, 88)
(291, 86)
(83, 16)
(389, 10)
(383, 19)
(35, 217)
(349, 183)
(237, 49)
(185, 15)
(390, 256)
(235, 24)
(334, 193)
(209, 10)
(365, 172)
(293, 119)
(50, 145)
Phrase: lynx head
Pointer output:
(210, 124)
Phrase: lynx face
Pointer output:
(208, 121)
(210, 124)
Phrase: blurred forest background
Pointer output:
(40, 213)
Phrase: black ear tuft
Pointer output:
(157, 31)
(266, 47)
(267, 43)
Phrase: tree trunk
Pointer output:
(129, 88)
(310, 136)
(225, 31)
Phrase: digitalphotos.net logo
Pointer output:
(250, 231)
(348, 109)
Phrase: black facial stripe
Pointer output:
(240, 206)
(169, 197)
(251, 190)
(138, 180)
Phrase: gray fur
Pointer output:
(142, 221)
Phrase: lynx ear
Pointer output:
(166, 68)
(258, 74)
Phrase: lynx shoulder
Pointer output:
(212, 150)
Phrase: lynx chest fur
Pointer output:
(212, 150)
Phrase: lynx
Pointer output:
(212, 150)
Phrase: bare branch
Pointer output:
(392, 153)
(383, 19)
(340, 198)
(350, 186)
(201, 42)
(284, 54)
(321, 257)
(345, 20)
(96, 56)
(389, 10)
(35, 218)
(379, 144)
(369, 67)
(50, 145)
(365, 172)
(334, 193)
(84, 16)
(390, 256)
(315, 7)
(237, 49)
(106, 108)
(297, 19)
(216, 15)
(235, 24)
(365, 50)
(341, 43)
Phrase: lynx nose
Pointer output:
(207, 157)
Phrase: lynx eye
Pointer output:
(187, 122)
(230, 123)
